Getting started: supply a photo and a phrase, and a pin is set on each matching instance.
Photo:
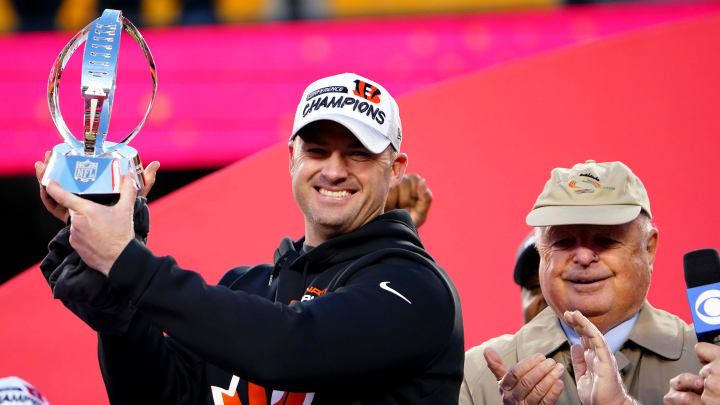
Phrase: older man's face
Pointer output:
(602, 270)
(337, 183)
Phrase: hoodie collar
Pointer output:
(292, 268)
(287, 248)
(395, 226)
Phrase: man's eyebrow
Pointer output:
(357, 144)
(313, 139)
(316, 140)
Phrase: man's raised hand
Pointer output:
(149, 175)
(703, 388)
(58, 211)
(685, 389)
(413, 195)
(596, 373)
(98, 233)
(534, 380)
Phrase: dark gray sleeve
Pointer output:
(86, 292)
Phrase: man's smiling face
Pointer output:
(338, 184)
(601, 270)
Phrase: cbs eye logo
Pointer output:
(707, 307)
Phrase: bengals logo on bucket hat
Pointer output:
(362, 106)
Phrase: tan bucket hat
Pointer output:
(593, 193)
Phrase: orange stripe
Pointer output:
(256, 395)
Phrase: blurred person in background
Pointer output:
(335, 319)
(16, 391)
(597, 247)
(525, 274)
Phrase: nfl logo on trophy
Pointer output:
(86, 171)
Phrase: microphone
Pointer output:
(702, 277)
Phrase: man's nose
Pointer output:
(335, 168)
(584, 255)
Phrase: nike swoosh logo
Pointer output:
(384, 286)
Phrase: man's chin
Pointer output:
(589, 308)
(333, 224)
(336, 223)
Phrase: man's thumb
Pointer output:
(128, 191)
(495, 363)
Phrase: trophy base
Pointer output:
(96, 178)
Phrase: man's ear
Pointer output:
(398, 168)
(291, 151)
(651, 245)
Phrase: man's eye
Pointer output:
(605, 241)
(316, 151)
(564, 243)
(360, 154)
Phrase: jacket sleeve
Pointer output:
(388, 319)
(144, 366)
(465, 396)
(85, 291)
(138, 363)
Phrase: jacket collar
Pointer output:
(657, 332)
(653, 331)
(542, 334)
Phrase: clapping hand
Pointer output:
(596, 373)
(534, 380)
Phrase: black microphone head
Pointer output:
(702, 267)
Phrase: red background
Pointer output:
(227, 91)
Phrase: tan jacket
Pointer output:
(659, 347)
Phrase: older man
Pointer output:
(597, 247)
(355, 312)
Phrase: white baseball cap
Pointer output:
(362, 106)
(16, 391)
(592, 193)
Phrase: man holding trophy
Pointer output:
(355, 312)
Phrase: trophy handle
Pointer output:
(54, 84)
(130, 29)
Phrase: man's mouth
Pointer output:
(587, 280)
(334, 193)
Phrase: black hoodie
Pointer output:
(364, 318)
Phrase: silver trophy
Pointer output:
(93, 168)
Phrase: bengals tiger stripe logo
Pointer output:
(367, 91)
(257, 395)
